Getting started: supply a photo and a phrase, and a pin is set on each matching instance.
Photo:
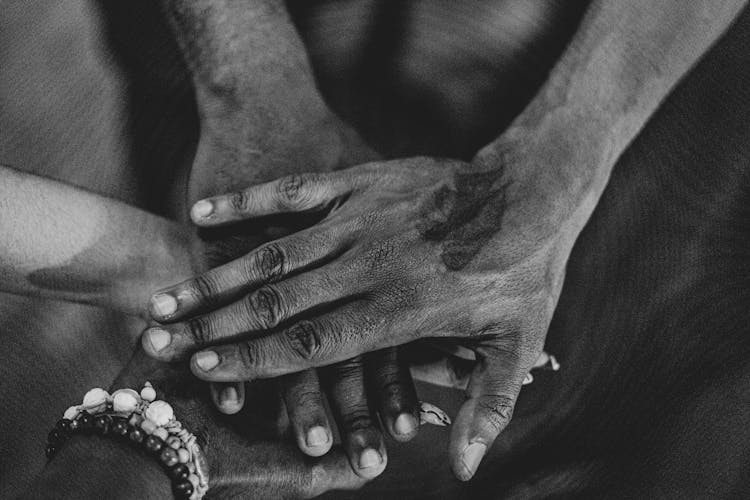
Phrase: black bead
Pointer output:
(55, 437)
(120, 426)
(102, 424)
(153, 444)
(50, 451)
(136, 435)
(179, 473)
(168, 457)
(182, 489)
(74, 426)
(63, 425)
(85, 421)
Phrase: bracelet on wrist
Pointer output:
(145, 422)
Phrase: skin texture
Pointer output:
(255, 129)
(554, 162)
(88, 248)
(625, 399)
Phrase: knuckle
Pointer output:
(308, 399)
(249, 354)
(266, 306)
(203, 289)
(200, 329)
(290, 191)
(269, 263)
(498, 410)
(239, 201)
(357, 419)
(304, 339)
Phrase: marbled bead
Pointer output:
(136, 435)
(174, 442)
(161, 433)
(168, 457)
(63, 425)
(183, 455)
(182, 489)
(49, 451)
(179, 473)
(153, 444)
(119, 426)
(56, 437)
(102, 423)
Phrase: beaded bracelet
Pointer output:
(144, 421)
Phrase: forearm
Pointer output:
(65, 243)
(96, 467)
(624, 60)
(255, 89)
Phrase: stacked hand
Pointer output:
(407, 249)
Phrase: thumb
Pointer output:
(491, 396)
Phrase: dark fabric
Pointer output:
(653, 327)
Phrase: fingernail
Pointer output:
(202, 208)
(228, 395)
(317, 436)
(473, 455)
(369, 458)
(158, 338)
(207, 360)
(164, 304)
(405, 424)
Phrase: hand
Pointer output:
(409, 249)
(244, 458)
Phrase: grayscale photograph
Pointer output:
(375, 249)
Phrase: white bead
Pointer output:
(125, 400)
(71, 413)
(161, 433)
(148, 393)
(159, 412)
(183, 455)
(148, 426)
(95, 397)
(95, 400)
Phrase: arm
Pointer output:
(624, 60)
(62, 242)
(474, 253)
(245, 458)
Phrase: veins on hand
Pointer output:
(463, 218)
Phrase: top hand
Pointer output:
(409, 249)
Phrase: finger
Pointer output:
(332, 337)
(390, 382)
(266, 264)
(294, 193)
(494, 386)
(262, 310)
(229, 398)
(307, 413)
(362, 439)
(264, 469)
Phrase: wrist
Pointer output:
(554, 173)
(97, 467)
